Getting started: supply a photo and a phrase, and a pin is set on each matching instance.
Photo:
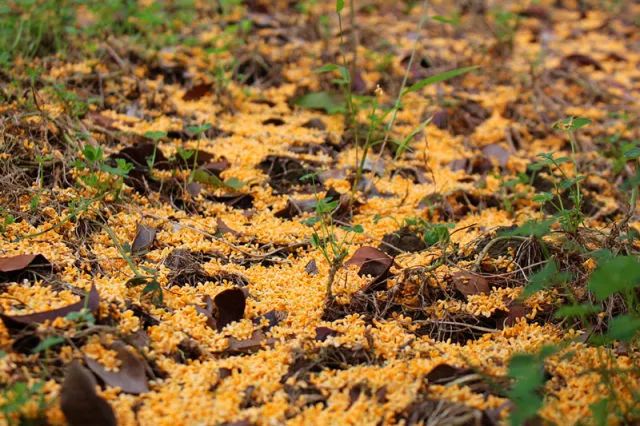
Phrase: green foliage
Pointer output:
(93, 161)
(547, 277)
(618, 274)
(322, 101)
(14, 399)
(438, 78)
(432, 233)
(48, 343)
(571, 124)
(6, 219)
(531, 228)
(527, 374)
(505, 25)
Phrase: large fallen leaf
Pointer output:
(130, 377)
(21, 261)
(230, 304)
(12, 266)
(372, 262)
(19, 322)
(79, 401)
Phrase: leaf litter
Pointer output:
(199, 297)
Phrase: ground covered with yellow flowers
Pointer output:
(270, 213)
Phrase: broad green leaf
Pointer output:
(547, 277)
(339, 5)
(321, 100)
(528, 375)
(623, 327)
(196, 130)
(618, 274)
(202, 176)
(438, 78)
(234, 183)
(531, 228)
(358, 229)
(542, 197)
(155, 135)
(577, 311)
(600, 412)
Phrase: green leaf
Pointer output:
(542, 197)
(528, 375)
(83, 315)
(47, 343)
(531, 228)
(327, 68)
(571, 123)
(548, 276)
(92, 154)
(600, 412)
(632, 153)
(196, 130)
(577, 311)
(438, 78)
(453, 20)
(358, 229)
(437, 233)
(623, 327)
(155, 135)
(322, 101)
(619, 274)
(122, 169)
(234, 183)
(339, 5)
(154, 290)
(202, 176)
(404, 144)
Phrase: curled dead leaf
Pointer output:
(372, 262)
(20, 322)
